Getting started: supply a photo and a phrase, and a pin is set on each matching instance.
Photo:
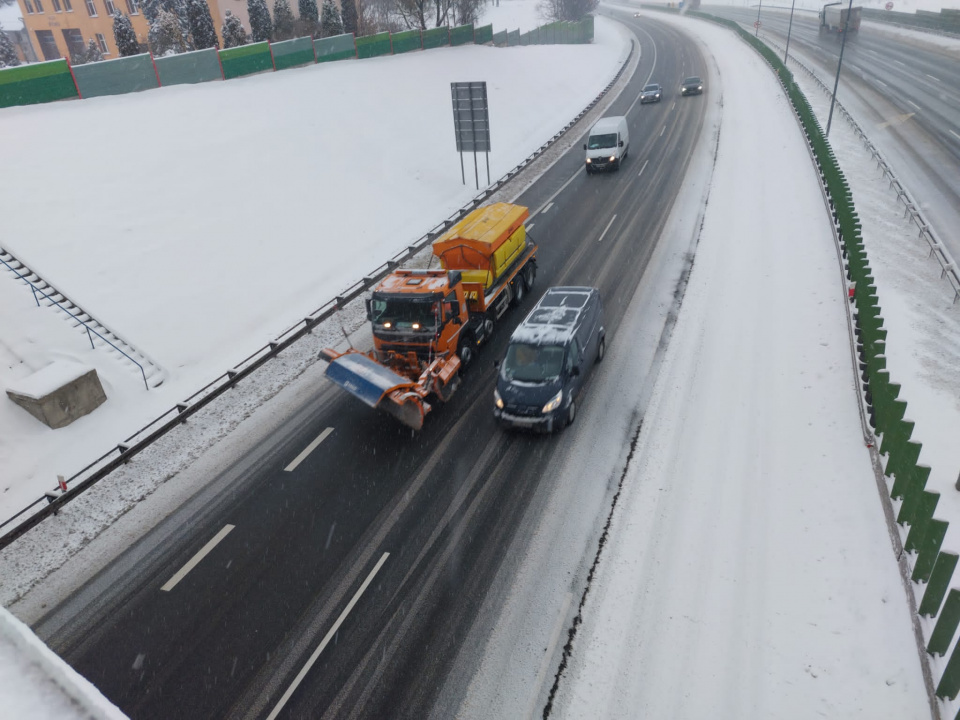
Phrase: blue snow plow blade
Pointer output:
(362, 377)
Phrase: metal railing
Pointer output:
(124, 451)
(90, 331)
(948, 267)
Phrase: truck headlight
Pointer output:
(554, 403)
(497, 400)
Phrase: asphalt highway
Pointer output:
(338, 566)
(905, 95)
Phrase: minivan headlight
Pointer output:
(589, 161)
(612, 158)
(497, 400)
(554, 403)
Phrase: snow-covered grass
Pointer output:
(198, 222)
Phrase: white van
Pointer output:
(607, 144)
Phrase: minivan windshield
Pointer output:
(602, 141)
(532, 363)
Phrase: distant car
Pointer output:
(548, 359)
(636, 14)
(691, 86)
(651, 93)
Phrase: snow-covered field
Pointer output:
(198, 222)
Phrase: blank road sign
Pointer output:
(471, 117)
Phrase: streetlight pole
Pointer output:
(836, 83)
(789, 28)
(757, 23)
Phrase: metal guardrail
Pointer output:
(948, 266)
(124, 451)
(79, 320)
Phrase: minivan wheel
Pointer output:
(572, 412)
(602, 349)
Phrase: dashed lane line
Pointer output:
(195, 560)
(599, 239)
(307, 450)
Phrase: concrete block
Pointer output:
(59, 393)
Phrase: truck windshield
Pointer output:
(602, 141)
(532, 363)
(404, 313)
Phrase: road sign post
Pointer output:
(471, 123)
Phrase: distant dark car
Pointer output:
(548, 359)
(691, 86)
(651, 93)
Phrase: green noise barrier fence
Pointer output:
(885, 409)
(246, 60)
(406, 41)
(36, 83)
(293, 53)
(370, 46)
(461, 35)
(191, 67)
(116, 77)
(483, 34)
(513, 38)
(338, 47)
(500, 38)
(437, 37)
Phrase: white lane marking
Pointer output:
(914, 104)
(195, 560)
(663, 130)
(954, 134)
(932, 77)
(550, 199)
(606, 228)
(547, 208)
(326, 638)
(637, 99)
(880, 82)
(643, 168)
(307, 450)
(545, 664)
(674, 105)
(529, 227)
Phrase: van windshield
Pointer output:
(602, 141)
(532, 363)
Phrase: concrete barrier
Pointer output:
(59, 393)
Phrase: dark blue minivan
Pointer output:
(547, 361)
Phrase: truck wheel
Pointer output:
(530, 275)
(466, 351)
(519, 290)
(488, 324)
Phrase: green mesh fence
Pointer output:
(586, 26)
(36, 83)
(338, 47)
(370, 46)
(292, 53)
(406, 41)
(116, 77)
(191, 67)
(483, 34)
(246, 60)
(437, 37)
(513, 38)
(461, 35)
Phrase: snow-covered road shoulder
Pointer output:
(748, 571)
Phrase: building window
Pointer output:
(102, 42)
(75, 45)
(91, 9)
(29, 7)
(48, 46)
(56, 6)
(133, 7)
(67, 5)
(38, 5)
(111, 8)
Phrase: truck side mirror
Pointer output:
(455, 319)
(366, 304)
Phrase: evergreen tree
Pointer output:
(283, 20)
(348, 11)
(233, 33)
(181, 8)
(309, 22)
(150, 10)
(260, 22)
(8, 54)
(201, 26)
(93, 53)
(330, 22)
(166, 38)
(124, 35)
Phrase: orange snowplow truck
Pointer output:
(428, 324)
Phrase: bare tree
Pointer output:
(570, 10)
